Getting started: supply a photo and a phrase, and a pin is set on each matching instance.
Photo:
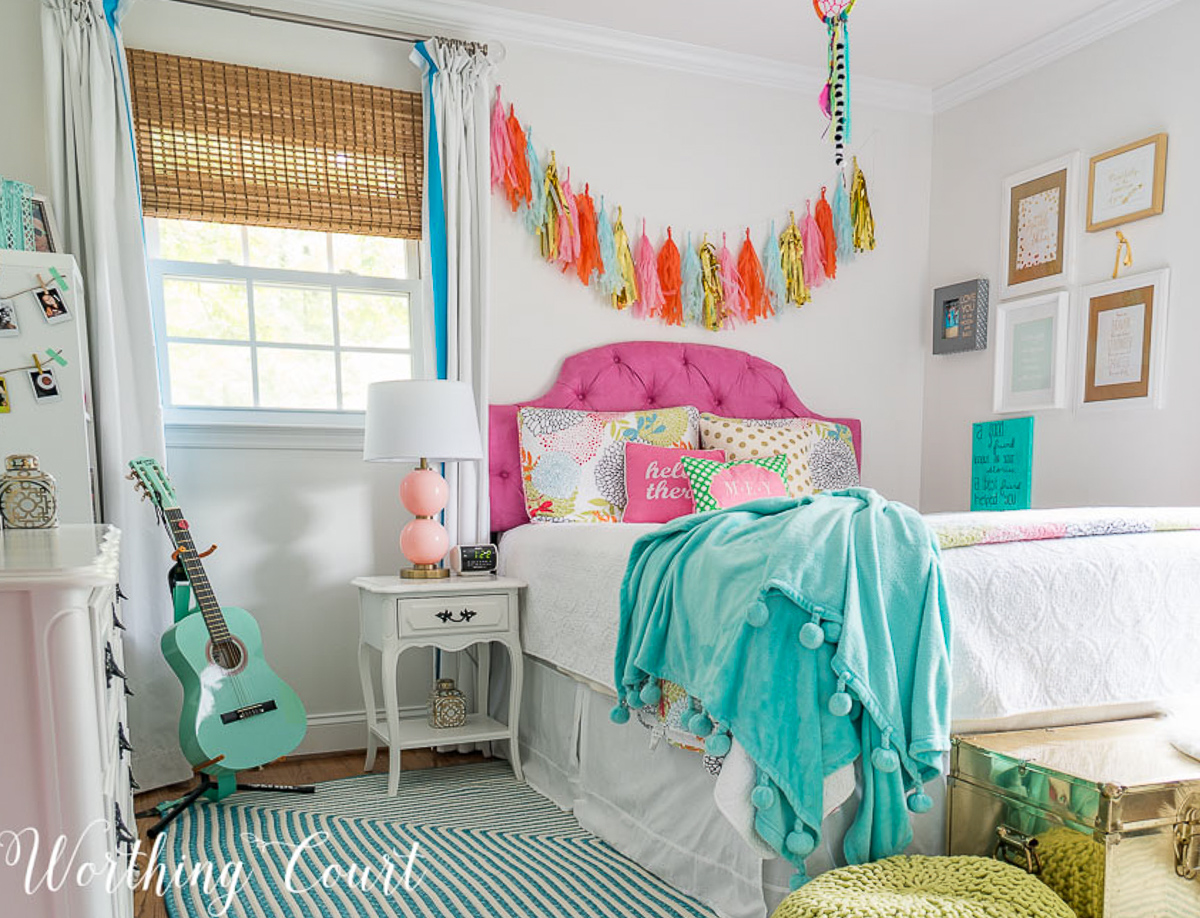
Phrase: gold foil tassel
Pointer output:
(555, 204)
(860, 212)
(791, 256)
(628, 293)
(714, 292)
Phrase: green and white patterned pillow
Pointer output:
(717, 485)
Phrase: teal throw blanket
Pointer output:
(813, 631)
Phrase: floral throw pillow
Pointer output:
(573, 462)
(820, 453)
(717, 485)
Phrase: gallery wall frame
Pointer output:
(1127, 183)
(1031, 347)
(1037, 233)
(960, 317)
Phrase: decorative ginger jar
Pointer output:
(447, 705)
(28, 499)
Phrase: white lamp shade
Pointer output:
(413, 419)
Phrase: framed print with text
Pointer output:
(1031, 349)
(1123, 340)
(1039, 226)
(1127, 184)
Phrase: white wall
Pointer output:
(23, 140)
(1132, 84)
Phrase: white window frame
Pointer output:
(256, 427)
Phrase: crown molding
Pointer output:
(481, 22)
(1045, 50)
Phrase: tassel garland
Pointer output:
(754, 286)
(670, 281)
(650, 295)
(627, 292)
(814, 255)
(824, 217)
(537, 189)
(776, 283)
(610, 278)
(710, 278)
(843, 227)
(732, 295)
(550, 225)
(692, 286)
(520, 184)
(568, 228)
(589, 261)
(791, 254)
(860, 212)
(502, 153)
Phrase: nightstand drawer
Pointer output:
(453, 614)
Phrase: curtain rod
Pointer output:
(301, 19)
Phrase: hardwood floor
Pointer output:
(301, 770)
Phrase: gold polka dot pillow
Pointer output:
(820, 453)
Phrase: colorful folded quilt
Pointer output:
(959, 530)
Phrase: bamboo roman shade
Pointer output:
(230, 144)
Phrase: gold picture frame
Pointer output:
(1038, 227)
(1119, 188)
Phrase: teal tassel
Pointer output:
(651, 693)
(843, 226)
(920, 802)
(619, 714)
(692, 286)
(718, 744)
(610, 280)
(800, 843)
(537, 184)
(773, 269)
(763, 797)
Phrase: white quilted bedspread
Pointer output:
(1107, 625)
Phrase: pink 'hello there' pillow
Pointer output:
(657, 485)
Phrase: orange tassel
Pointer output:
(589, 261)
(520, 189)
(824, 217)
(671, 279)
(754, 284)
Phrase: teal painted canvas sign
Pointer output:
(1002, 464)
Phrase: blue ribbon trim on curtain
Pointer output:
(438, 258)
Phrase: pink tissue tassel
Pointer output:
(502, 152)
(650, 301)
(814, 249)
(737, 307)
(568, 227)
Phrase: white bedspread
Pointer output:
(1044, 632)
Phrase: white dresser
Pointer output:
(64, 761)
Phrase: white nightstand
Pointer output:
(450, 614)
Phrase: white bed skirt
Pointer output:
(656, 806)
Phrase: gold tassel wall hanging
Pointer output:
(791, 254)
(710, 280)
(860, 212)
(556, 203)
(628, 291)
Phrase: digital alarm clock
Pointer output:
(473, 560)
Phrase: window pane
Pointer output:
(215, 375)
(205, 308)
(189, 240)
(296, 250)
(293, 315)
(292, 378)
(359, 370)
(370, 256)
(373, 319)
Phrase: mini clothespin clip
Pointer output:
(58, 279)
(37, 362)
(1122, 243)
(41, 281)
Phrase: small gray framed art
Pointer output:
(960, 317)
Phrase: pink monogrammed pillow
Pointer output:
(656, 483)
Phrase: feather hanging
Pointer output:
(589, 261)
(537, 189)
(520, 190)
(610, 275)
(650, 296)
(692, 285)
(753, 283)
(568, 227)
(860, 212)
(843, 227)
(627, 292)
(501, 144)
(734, 298)
(824, 218)
(710, 278)
(791, 254)
(670, 281)
(810, 234)
(776, 283)
(548, 228)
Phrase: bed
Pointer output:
(1113, 624)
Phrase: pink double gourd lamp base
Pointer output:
(424, 541)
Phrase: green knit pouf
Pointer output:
(925, 887)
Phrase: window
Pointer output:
(268, 325)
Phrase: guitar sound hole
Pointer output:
(227, 655)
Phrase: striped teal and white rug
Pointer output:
(459, 842)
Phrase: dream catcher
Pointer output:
(835, 97)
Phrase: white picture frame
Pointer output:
(1051, 192)
(1101, 383)
(1031, 354)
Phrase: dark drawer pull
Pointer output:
(464, 616)
(123, 744)
(110, 666)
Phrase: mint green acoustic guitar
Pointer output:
(237, 713)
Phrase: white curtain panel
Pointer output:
(457, 93)
(94, 189)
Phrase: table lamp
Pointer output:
(427, 420)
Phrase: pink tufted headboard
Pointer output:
(644, 374)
